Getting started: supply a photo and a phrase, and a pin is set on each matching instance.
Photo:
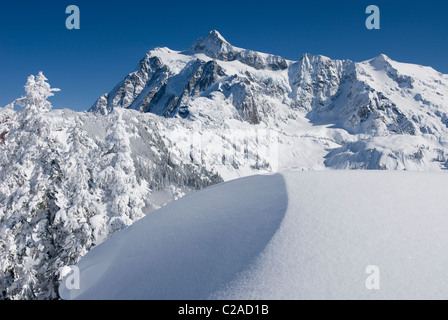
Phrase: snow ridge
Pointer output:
(298, 235)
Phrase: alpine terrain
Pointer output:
(186, 120)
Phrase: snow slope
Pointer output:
(189, 248)
(299, 235)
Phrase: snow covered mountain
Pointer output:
(186, 120)
(391, 115)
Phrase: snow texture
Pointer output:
(300, 235)
(189, 248)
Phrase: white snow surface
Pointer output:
(295, 235)
(190, 248)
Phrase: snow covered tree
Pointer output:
(27, 198)
(70, 180)
(7, 117)
(123, 194)
(78, 201)
(37, 92)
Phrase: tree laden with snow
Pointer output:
(62, 191)
(122, 193)
(27, 198)
(70, 180)
(37, 92)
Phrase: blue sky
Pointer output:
(115, 35)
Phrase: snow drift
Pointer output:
(300, 235)
(189, 248)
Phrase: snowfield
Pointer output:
(298, 235)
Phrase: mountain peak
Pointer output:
(214, 45)
(382, 58)
(380, 62)
(214, 34)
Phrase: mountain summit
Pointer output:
(214, 45)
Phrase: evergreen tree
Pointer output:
(123, 194)
(65, 187)
(27, 197)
